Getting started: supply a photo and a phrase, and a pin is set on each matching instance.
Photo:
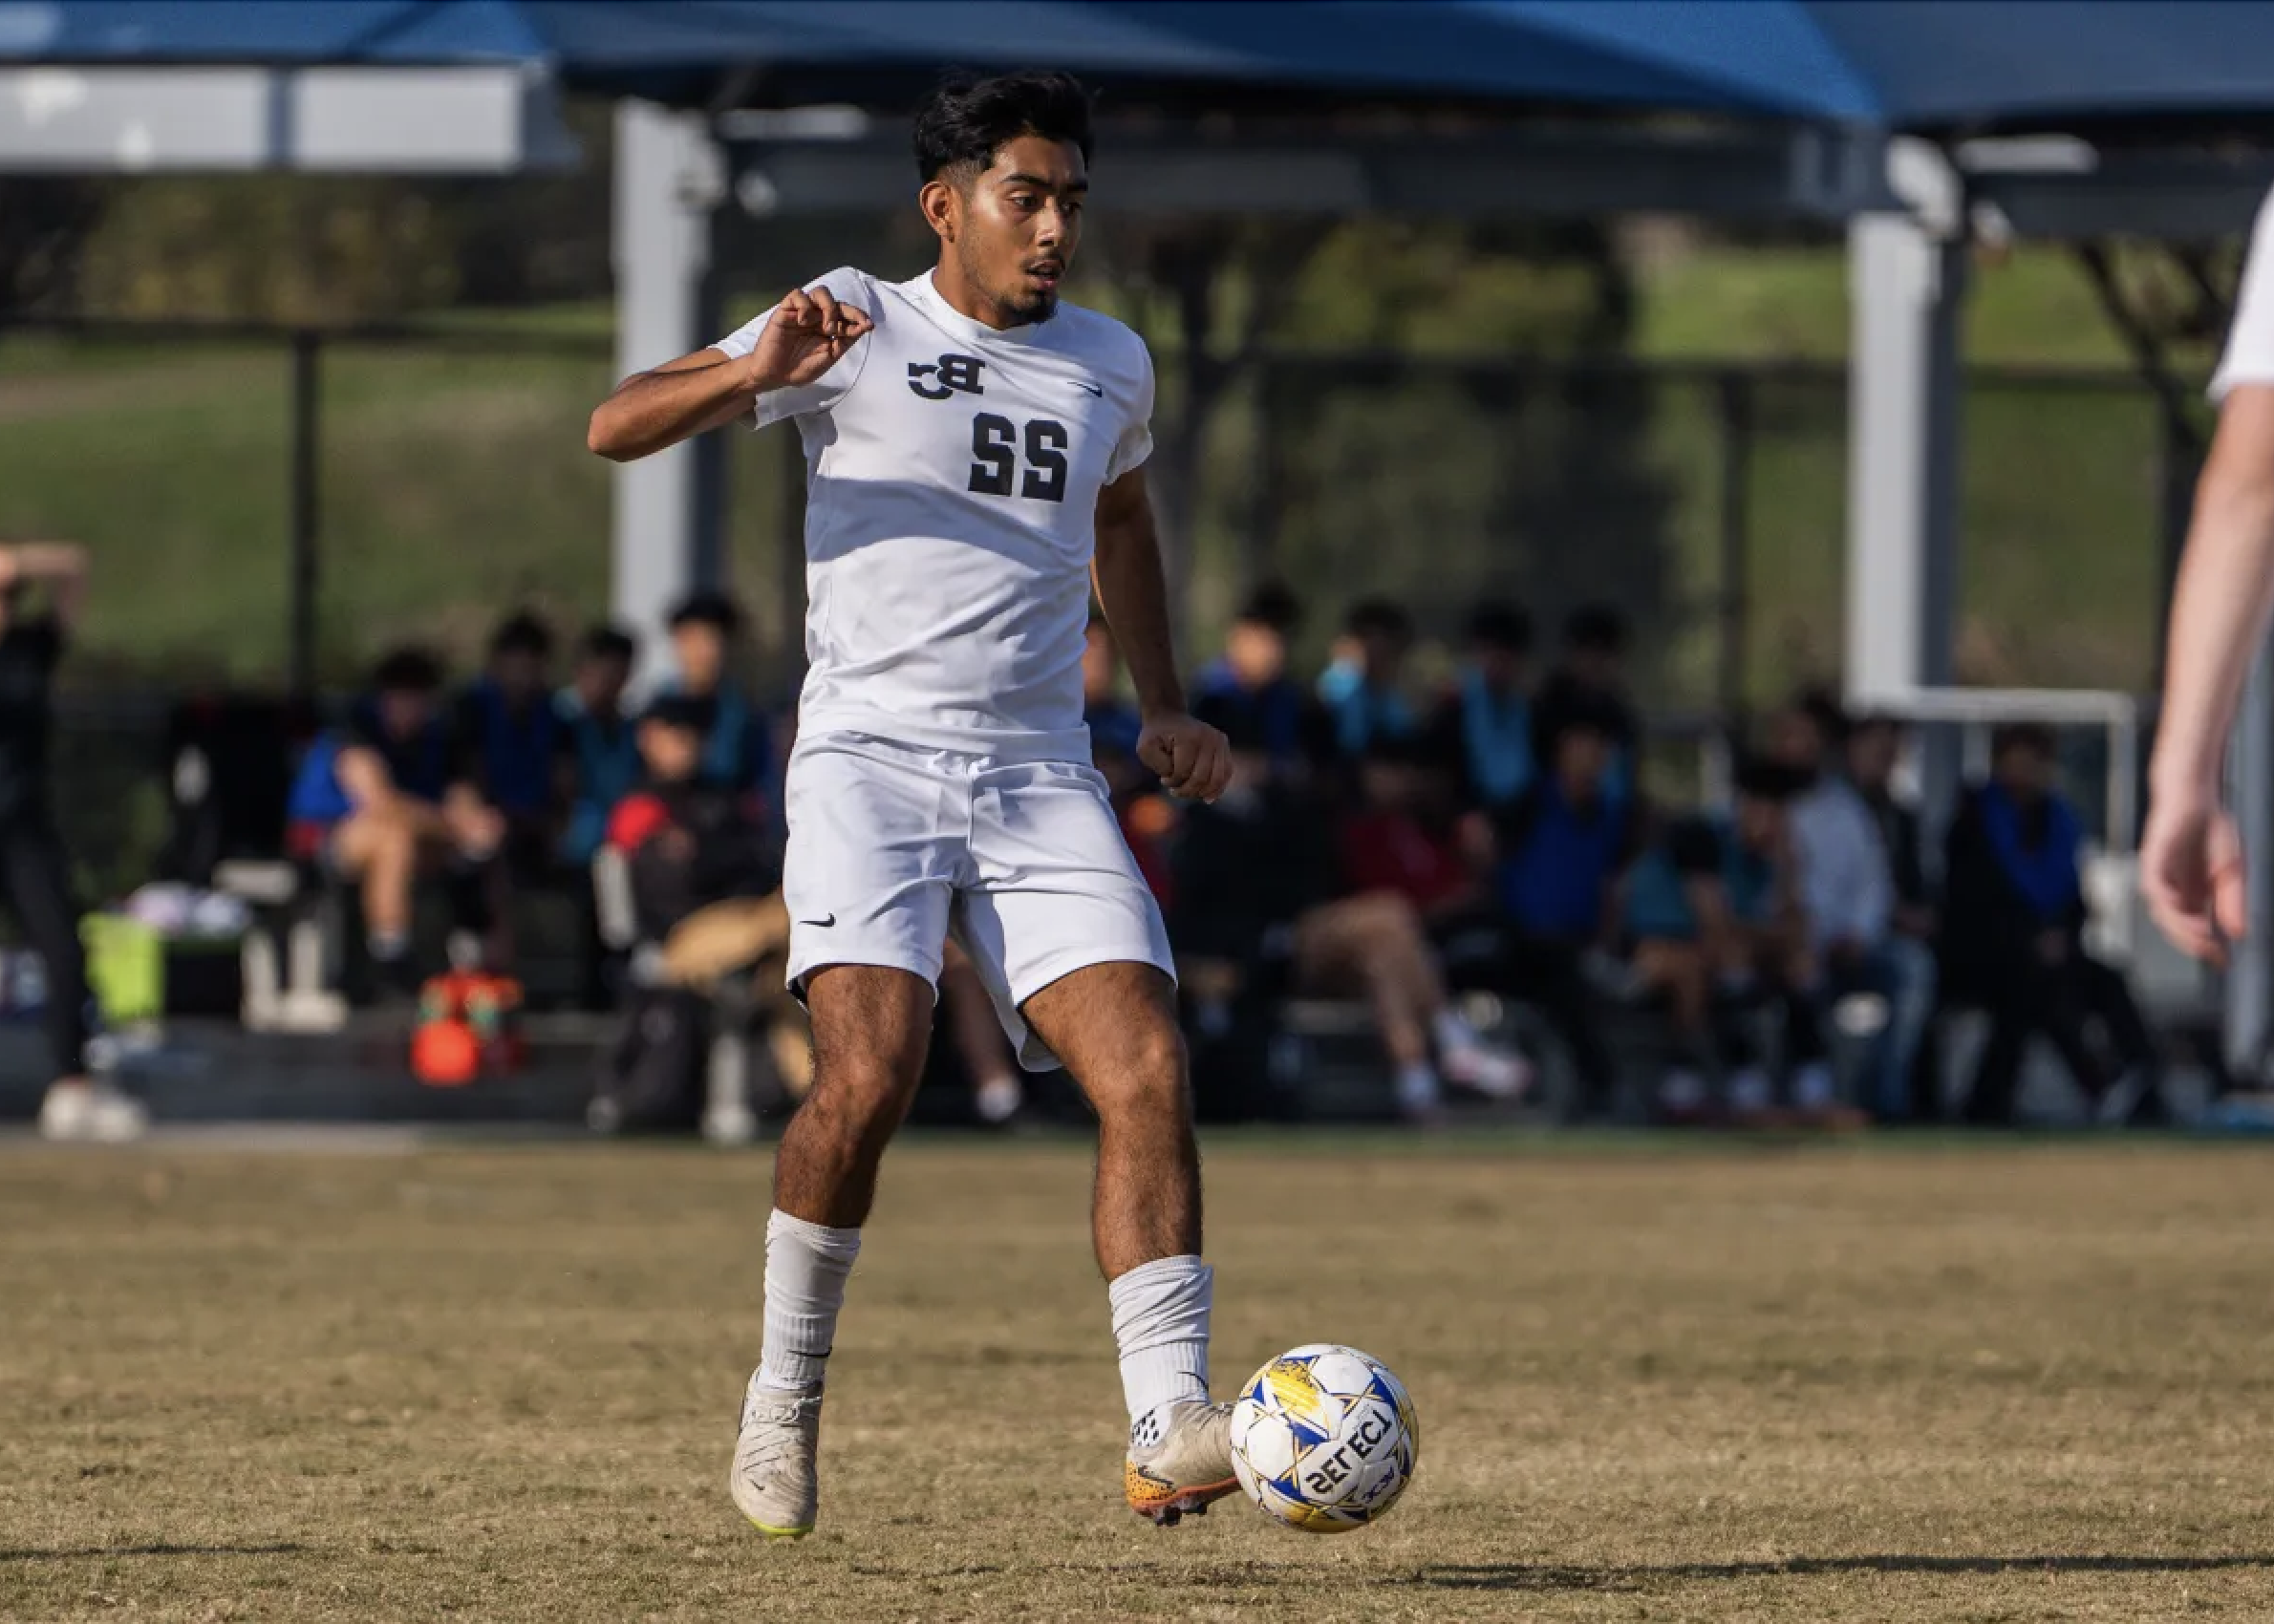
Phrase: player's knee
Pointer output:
(863, 1096)
(1151, 1076)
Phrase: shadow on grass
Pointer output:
(92, 1551)
(1563, 1576)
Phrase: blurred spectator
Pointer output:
(706, 877)
(516, 756)
(691, 841)
(737, 745)
(42, 587)
(1361, 689)
(374, 804)
(1846, 882)
(1591, 661)
(997, 1095)
(603, 742)
(1114, 723)
(1390, 843)
(1254, 874)
(2014, 941)
(1250, 679)
(1484, 727)
(1564, 845)
(1719, 929)
(1875, 745)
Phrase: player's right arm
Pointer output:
(803, 337)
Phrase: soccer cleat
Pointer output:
(1185, 1467)
(773, 1481)
(91, 1110)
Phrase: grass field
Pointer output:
(1888, 1384)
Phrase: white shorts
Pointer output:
(892, 847)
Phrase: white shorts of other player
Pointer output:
(892, 847)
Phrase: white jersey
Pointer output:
(2250, 347)
(953, 477)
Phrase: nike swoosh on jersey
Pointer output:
(1097, 390)
(820, 924)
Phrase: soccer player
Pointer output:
(975, 453)
(2191, 858)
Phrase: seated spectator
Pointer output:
(374, 802)
(603, 741)
(706, 877)
(1591, 661)
(1483, 726)
(2014, 941)
(1845, 884)
(1113, 722)
(515, 757)
(1564, 845)
(1390, 842)
(1875, 744)
(1361, 689)
(1718, 929)
(738, 746)
(1253, 892)
(1250, 679)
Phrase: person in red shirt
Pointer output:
(1390, 844)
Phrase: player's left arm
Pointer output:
(1190, 756)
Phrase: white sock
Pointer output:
(1160, 1323)
(1418, 1086)
(1452, 1032)
(806, 1264)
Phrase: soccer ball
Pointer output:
(1324, 1439)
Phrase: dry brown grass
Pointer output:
(499, 1384)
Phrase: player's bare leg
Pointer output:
(1114, 1025)
(871, 1029)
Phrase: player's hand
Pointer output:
(1191, 759)
(2191, 873)
(808, 334)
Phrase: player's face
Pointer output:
(1015, 230)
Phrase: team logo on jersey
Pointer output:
(956, 374)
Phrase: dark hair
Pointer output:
(1572, 709)
(608, 643)
(407, 670)
(521, 634)
(965, 122)
(1595, 626)
(1378, 617)
(2034, 737)
(1820, 706)
(1873, 721)
(1502, 625)
(708, 608)
(676, 711)
(1760, 779)
(1273, 603)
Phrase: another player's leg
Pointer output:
(1114, 1026)
(871, 1029)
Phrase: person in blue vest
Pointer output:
(2014, 941)
(374, 803)
(1113, 722)
(1361, 689)
(1564, 845)
(1483, 729)
(603, 741)
(738, 747)
(1250, 679)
